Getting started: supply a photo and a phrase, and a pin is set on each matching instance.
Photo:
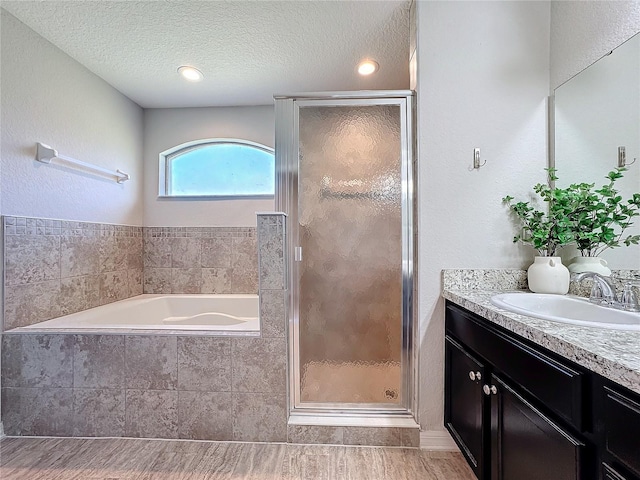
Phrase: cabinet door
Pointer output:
(525, 444)
(464, 403)
(622, 427)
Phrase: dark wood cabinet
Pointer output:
(526, 444)
(464, 407)
(622, 429)
(531, 414)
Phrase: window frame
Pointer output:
(165, 157)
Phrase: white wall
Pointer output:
(49, 97)
(582, 32)
(165, 128)
(482, 82)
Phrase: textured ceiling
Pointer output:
(247, 50)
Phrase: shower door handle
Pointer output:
(297, 254)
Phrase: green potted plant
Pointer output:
(546, 232)
(599, 219)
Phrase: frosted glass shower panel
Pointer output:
(350, 231)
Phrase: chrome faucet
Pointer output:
(603, 291)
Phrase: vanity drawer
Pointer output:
(556, 385)
(622, 428)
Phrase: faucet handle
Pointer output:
(629, 299)
(596, 295)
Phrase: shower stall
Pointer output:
(344, 177)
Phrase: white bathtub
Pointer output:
(219, 313)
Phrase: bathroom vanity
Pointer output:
(529, 399)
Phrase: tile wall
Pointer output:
(200, 260)
(56, 267)
(190, 387)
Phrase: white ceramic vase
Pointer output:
(548, 275)
(589, 264)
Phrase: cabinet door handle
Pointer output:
(490, 390)
(475, 375)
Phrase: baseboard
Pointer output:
(437, 440)
(1, 430)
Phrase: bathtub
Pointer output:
(216, 313)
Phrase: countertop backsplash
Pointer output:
(516, 279)
(484, 279)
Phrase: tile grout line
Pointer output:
(73, 383)
(124, 381)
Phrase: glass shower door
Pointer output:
(350, 239)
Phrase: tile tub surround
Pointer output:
(200, 260)
(205, 388)
(614, 354)
(57, 267)
(166, 386)
(173, 387)
(170, 386)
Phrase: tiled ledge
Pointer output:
(129, 332)
(198, 232)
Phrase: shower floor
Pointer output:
(351, 382)
(128, 459)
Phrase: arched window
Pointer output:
(219, 167)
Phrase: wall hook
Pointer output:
(476, 159)
(622, 158)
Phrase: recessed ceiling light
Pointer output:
(367, 67)
(190, 73)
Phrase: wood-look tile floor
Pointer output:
(119, 459)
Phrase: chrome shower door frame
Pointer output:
(287, 168)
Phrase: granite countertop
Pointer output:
(614, 354)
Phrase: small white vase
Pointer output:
(548, 275)
(589, 264)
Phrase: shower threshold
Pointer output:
(350, 420)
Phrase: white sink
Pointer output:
(567, 309)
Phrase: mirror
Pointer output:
(596, 112)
